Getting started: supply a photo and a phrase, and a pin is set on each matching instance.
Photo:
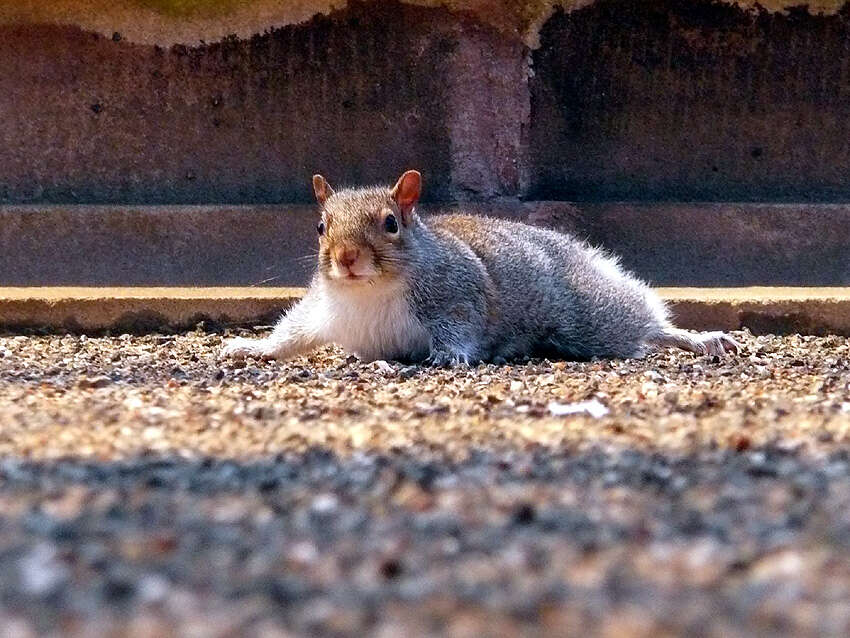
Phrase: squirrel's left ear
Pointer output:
(322, 189)
(406, 194)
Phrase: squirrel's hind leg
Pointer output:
(447, 357)
(715, 343)
(450, 349)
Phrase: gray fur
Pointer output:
(463, 289)
(516, 290)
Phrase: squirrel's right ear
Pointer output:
(322, 189)
(406, 193)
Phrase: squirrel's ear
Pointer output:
(322, 189)
(406, 193)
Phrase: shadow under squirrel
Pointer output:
(460, 289)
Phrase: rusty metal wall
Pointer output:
(683, 100)
(651, 100)
(360, 96)
(91, 119)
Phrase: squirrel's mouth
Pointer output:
(343, 274)
(349, 277)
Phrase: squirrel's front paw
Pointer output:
(718, 343)
(239, 348)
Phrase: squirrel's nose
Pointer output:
(347, 256)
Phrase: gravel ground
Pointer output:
(148, 487)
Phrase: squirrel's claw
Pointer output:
(240, 348)
(441, 359)
(718, 343)
(710, 343)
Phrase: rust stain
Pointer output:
(167, 22)
(99, 119)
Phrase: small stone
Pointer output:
(408, 372)
(324, 504)
(524, 514)
(118, 590)
(390, 569)
(383, 367)
(41, 571)
(152, 588)
(94, 382)
(593, 407)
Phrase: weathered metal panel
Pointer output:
(359, 96)
(685, 100)
(681, 244)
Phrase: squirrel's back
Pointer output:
(461, 289)
(554, 292)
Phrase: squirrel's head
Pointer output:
(363, 233)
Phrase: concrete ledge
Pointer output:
(668, 244)
(138, 309)
(762, 310)
(814, 311)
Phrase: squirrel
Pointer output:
(462, 289)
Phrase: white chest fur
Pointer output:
(374, 322)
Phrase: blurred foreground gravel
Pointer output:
(148, 488)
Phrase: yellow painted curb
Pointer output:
(92, 309)
(762, 310)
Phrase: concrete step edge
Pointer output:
(778, 310)
(666, 243)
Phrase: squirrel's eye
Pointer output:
(321, 228)
(390, 224)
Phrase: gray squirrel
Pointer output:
(459, 289)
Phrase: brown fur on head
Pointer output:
(363, 232)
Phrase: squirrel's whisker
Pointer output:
(265, 281)
(476, 289)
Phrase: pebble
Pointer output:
(324, 504)
(41, 571)
(192, 494)
(94, 382)
(593, 407)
